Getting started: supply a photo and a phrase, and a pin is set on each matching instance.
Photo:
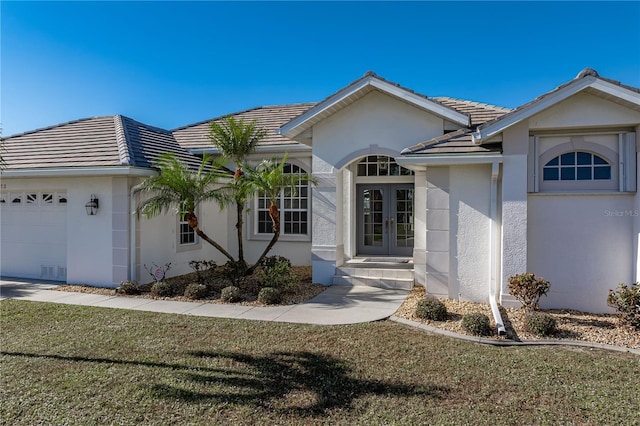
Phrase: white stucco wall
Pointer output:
(469, 199)
(159, 242)
(584, 110)
(583, 245)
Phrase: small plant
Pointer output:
(196, 291)
(477, 323)
(201, 267)
(269, 296)
(162, 289)
(276, 272)
(158, 272)
(129, 287)
(432, 309)
(626, 300)
(540, 323)
(231, 294)
(528, 289)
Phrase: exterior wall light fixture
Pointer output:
(92, 206)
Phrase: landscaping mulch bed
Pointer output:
(572, 325)
(300, 292)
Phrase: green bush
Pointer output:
(231, 294)
(626, 300)
(528, 289)
(276, 272)
(477, 323)
(220, 282)
(269, 296)
(202, 269)
(432, 309)
(162, 289)
(196, 291)
(129, 287)
(540, 323)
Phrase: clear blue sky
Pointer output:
(171, 64)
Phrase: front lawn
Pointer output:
(63, 364)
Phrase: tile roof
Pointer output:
(196, 136)
(478, 112)
(109, 141)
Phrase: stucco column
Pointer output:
(120, 229)
(438, 259)
(420, 227)
(514, 207)
(636, 212)
(324, 222)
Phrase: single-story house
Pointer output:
(449, 194)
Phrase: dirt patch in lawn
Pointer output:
(572, 325)
(301, 291)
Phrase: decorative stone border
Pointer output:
(494, 342)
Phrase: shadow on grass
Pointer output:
(296, 383)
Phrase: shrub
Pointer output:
(162, 289)
(129, 287)
(269, 296)
(477, 323)
(276, 272)
(231, 294)
(220, 282)
(432, 309)
(528, 289)
(196, 291)
(540, 323)
(201, 267)
(626, 300)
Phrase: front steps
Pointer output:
(393, 273)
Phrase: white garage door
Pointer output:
(33, 228)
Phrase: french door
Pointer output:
(385, 219)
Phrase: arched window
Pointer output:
(575, 166)
(293, 207)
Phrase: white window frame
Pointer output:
(622, 162)
(180, 246)
(256, 235)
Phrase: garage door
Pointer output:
(33, 229)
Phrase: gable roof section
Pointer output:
(196, 136)
(97, 142)
(359, 88)
(587, 80)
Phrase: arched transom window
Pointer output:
(577, 165)
(381, 165)
(293, 207)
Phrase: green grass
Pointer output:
(78, 365)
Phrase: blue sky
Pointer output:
(170, 64)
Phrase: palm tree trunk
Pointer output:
(192, 220)
(274, 213)
(239, 222)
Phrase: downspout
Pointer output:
(133, 275)
(493, 212)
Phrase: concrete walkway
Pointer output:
(336, 305)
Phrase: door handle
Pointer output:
(391, 225)
(386, 224)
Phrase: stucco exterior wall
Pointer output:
(159, 242)
(584, 110)
(583, 245)
(469, 236)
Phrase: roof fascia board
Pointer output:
(448, 160)
(552, 99)
(288, 129)
(79, 171)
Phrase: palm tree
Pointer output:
(179, 187)
(236, 139)
(270, 178)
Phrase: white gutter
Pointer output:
(448, 159)
(79, 171)
(263, 148)
(493, 212)
(133, 272)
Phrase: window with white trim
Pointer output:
(293, 206)
(186, 234)
(381, 165)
